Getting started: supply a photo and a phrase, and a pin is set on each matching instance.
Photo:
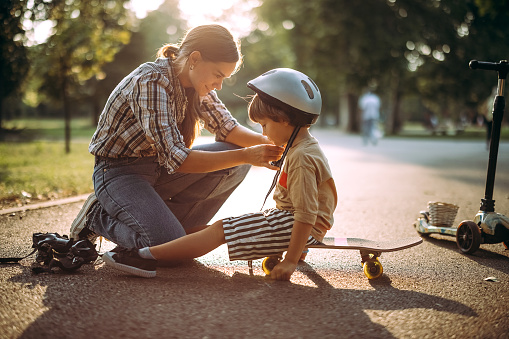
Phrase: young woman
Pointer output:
(151, 186)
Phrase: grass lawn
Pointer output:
(34, 165)
(412, 130)
(42, 170)
(50, 129)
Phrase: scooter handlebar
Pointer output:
(502, 67)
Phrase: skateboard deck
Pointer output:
(370, 252)
(369, 245)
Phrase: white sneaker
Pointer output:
(80, 221)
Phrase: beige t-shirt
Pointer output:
(306, 187)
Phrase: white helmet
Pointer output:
(291, 91)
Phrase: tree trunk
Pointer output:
(1, 106)
(1, 114)
(67, 116)
(353, 109)
(393, 123)
(96, 112)
(397, 122)
(96, 107)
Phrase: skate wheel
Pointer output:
(468, 237)
(373, 269)
(269, 263)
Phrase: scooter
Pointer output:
(488, 227)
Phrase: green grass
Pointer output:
(50, 129)
(415, 130)
(34, 165)
(42, 170)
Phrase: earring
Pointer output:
(191, 67)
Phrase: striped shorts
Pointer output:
(258, 235)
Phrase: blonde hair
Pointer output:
(215, 44)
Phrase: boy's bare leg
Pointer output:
(195, 229)
(192, 245)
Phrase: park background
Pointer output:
(60, 59)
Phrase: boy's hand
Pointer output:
(283, 270)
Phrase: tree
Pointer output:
(158, 28)
(86, 36)
(13, 54)
(339, 43)
(406, 47)
(462, 31)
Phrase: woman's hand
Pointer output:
(262, 155)
(204, 162)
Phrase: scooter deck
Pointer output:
(424, 228)
(368, 245)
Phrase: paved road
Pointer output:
(429, 291)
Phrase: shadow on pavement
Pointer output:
(195, 300)
(482, 256)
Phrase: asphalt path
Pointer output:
(428, 291)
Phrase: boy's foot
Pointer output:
(78, 229)
(128, 260)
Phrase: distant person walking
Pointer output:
(369, 104)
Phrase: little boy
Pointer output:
(286, 104)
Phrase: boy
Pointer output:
(286, 104)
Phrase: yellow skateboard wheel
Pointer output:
(269, 263)
(373, 269)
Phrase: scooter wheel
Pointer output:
(468, 237)
(373, 269)
(269, 263)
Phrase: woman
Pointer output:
(150, 185)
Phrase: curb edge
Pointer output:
(45, 204)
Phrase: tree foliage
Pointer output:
(404, 47)
(86, 35)
(13, 54)
(407, 49)
(155, 30)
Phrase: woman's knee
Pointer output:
(240, 171)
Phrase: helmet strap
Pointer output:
(279, 163)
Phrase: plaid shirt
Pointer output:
(142, 115)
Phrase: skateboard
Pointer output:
(370, 252)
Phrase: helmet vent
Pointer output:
(308, 89)
(311, 80)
